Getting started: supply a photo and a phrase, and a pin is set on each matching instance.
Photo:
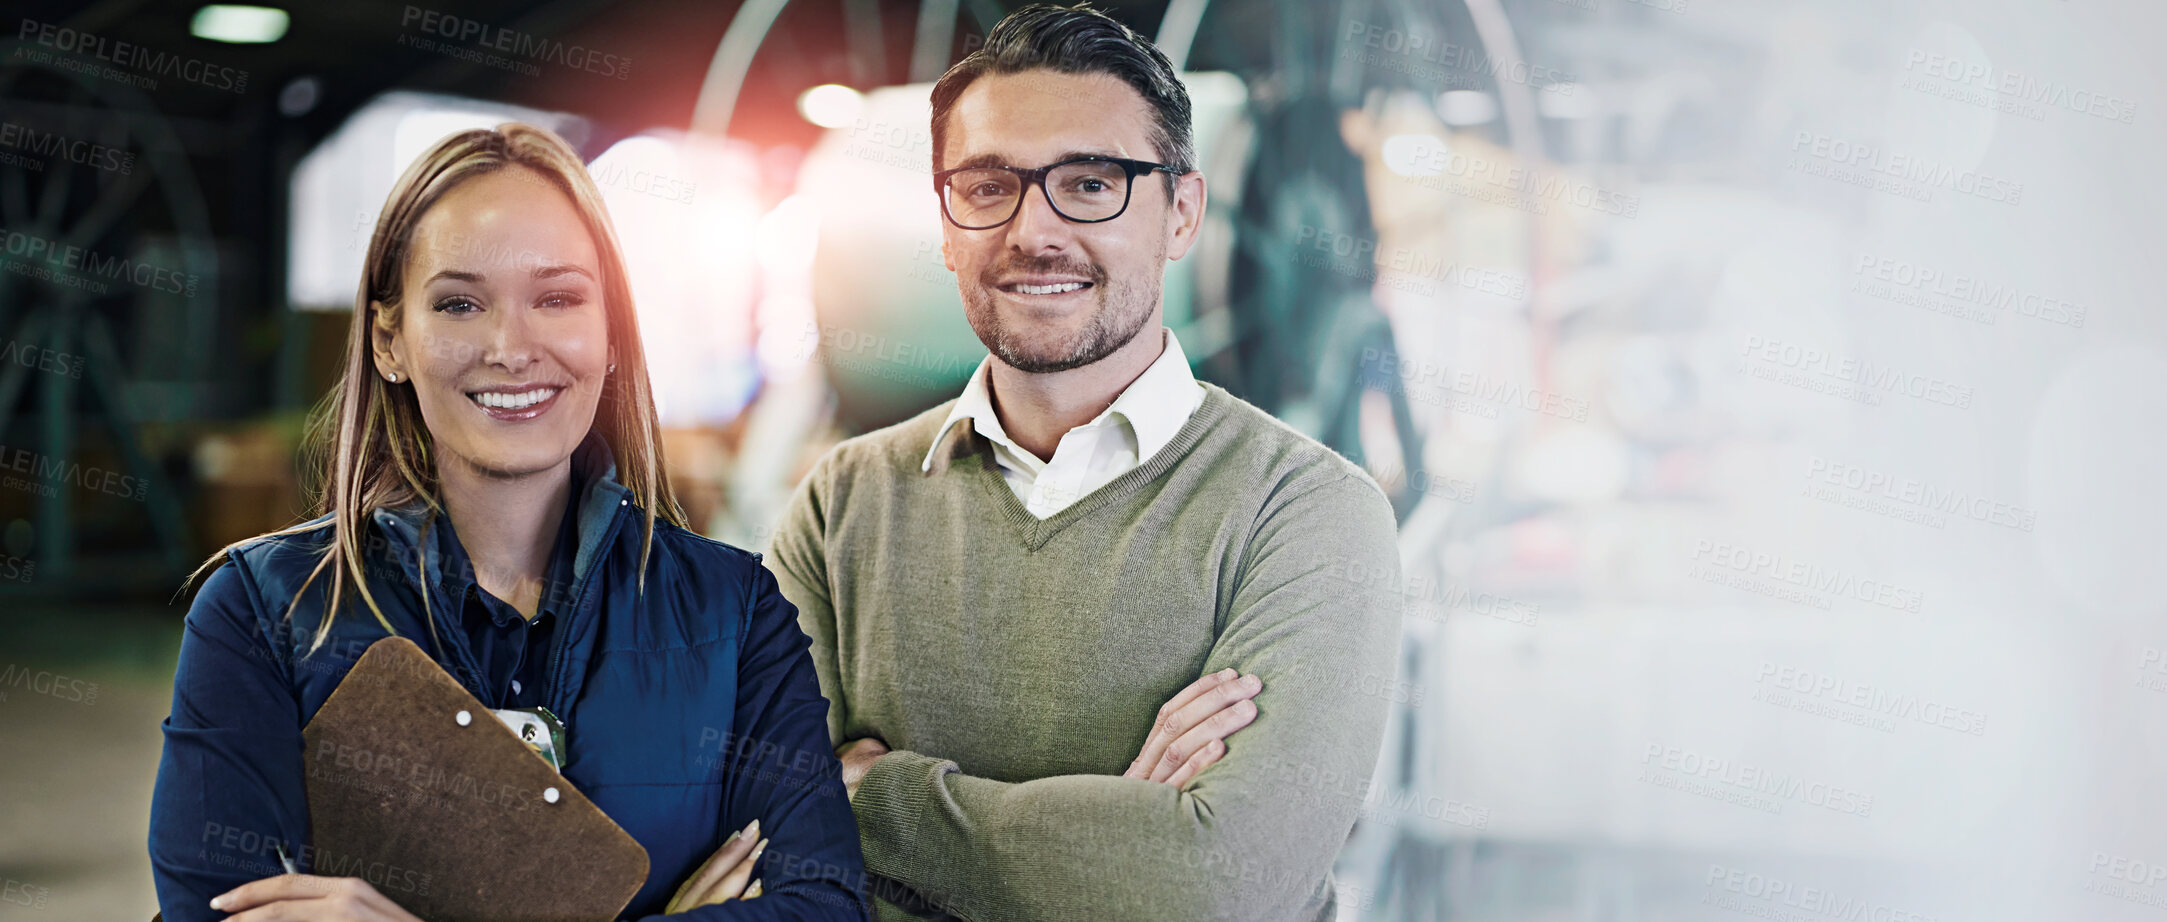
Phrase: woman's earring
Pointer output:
(613, 368)
(394, 376)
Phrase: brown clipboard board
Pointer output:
(454, 821)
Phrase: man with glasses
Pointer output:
(1100, 641)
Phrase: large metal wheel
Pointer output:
(110, 270)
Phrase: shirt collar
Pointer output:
(1155, 405)
(1159, 402)
(976, 404)
(557, 578)
(596, 499)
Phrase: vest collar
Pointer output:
(594, 488)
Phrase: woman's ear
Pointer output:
(387, 347)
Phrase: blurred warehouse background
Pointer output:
(1771, 393)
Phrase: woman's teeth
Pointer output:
(1049, 289)
(518, 401)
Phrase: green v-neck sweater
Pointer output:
(1015, 666)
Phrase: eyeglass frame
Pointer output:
(1037, 177)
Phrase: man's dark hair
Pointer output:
(1076, 40)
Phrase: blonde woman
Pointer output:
(494, 490)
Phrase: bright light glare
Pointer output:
(245, 25)
(421, 128)
(787, 236)
(1466, 107)
(830, 105)
(685, 210)
(1414, 154)
(1566, 101)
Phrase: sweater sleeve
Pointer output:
(1315, 613)
(230, 780)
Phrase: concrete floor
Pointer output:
(76, 768)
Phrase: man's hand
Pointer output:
(309, 897)
(1192, 728)
(724, 875)
(858, 756)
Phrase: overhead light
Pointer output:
(241, 25)
(299, 96)
(830, 105)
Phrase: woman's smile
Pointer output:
(516, 402)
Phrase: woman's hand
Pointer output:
(724, 875)
(299, 897)
(1191, 730)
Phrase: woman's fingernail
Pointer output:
(752, 829)
(1226, 673)
(218, 902)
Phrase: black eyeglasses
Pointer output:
(1085, 190)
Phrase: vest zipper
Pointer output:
(558, 643)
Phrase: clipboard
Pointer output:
(453, 818)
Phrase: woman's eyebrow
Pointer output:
(456, 275)
(540, 272)
(550, 272)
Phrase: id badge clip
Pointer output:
(539, 729)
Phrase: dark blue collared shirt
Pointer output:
(511, 650)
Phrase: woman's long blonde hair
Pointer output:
(368, 446)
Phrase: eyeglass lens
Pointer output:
(1086, 190)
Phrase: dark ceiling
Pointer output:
(357, 50)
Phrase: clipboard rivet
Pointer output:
(549, 795)
(463, 718)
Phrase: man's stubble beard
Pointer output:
(1120, 315)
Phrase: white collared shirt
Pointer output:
(1140, 422)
